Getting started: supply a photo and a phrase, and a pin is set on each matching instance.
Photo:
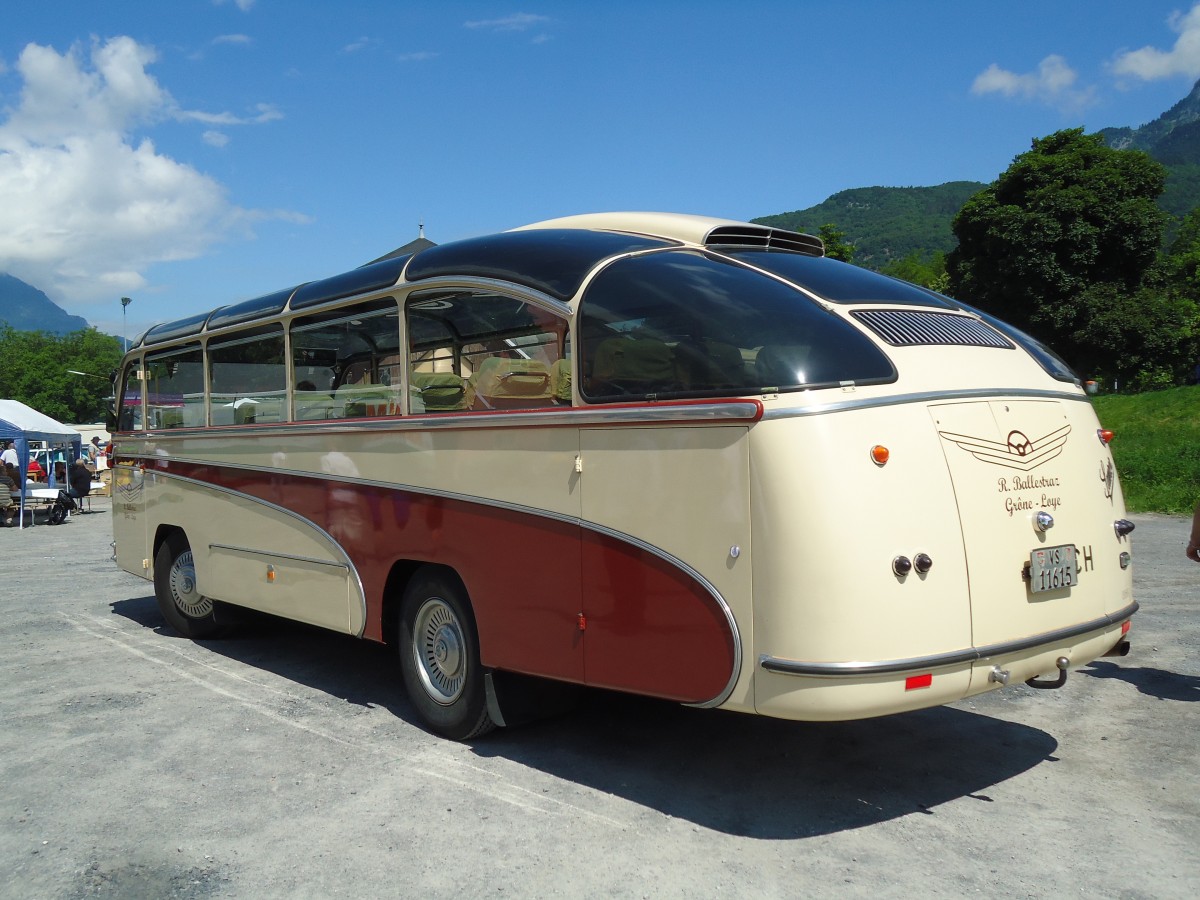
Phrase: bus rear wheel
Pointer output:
(186, 610)
(439, 656)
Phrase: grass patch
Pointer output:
(1156, 448)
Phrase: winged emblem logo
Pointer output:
(1016, 452)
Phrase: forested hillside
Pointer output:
(886, 224)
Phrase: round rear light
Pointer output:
(880, 455)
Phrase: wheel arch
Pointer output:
(162, 534)
(399, 577)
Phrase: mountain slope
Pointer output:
(24, 308)
(885, 223)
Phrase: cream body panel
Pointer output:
(235, 539)
(533, 468)
(828, 522)
(1065, 472)
(686, 491)
(129, 520)
(814, 699)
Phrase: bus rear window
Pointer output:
(839, 282)
(682, 323)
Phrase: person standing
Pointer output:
(1193, 544)
(8, 506)
(9, 456)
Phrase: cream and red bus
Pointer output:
(677, 456)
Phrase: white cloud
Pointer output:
(1053, 83)
(1183, 59)
(264, 112)
(89, 204)
(233, 39)
(243, 5)
(215, 138)
(515, 22)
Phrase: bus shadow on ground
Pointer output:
(360, 672)
(751, 776)
(737, 774)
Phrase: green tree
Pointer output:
(35, 372)
(927, 270)
(835, 243)
(1061, 245)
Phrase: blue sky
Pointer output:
(198, 152)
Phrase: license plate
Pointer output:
(1052, 568)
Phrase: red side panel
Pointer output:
(650, 627)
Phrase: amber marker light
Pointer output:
(880, 455)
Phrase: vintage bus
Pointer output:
(677, 456)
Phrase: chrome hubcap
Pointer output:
(183, 588)
(439, 651)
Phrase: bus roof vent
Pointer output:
(758, 237)
(912, 327)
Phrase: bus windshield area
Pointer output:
(685, 323)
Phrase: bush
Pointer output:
(1156, 448)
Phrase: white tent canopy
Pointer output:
(21, 424)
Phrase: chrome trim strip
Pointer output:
(939, 660)
(650, 414)
(817, 409)
(251, 551)
(350, 568)
(666, 557)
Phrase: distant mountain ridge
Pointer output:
(25, 308)
(885, 223)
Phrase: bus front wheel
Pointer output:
(186, 610)
(439, 655)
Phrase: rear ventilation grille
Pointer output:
(749, 237)
(911, 328)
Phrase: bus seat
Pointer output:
(709, 364)
(633, 365)
(269, 409)
(440, 391)
(501, 383)
(310, 410)
(352, 401)
(560, 381)
(782, 364)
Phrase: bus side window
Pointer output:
(249, 382)
(175, 388)
(129, 417)
(474, 350)
(346, 362)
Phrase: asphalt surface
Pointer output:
(285, 761)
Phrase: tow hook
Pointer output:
(1063, 663)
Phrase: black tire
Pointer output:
(58, 513)
(439, 656)
(186, 610)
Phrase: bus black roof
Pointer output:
(551, 260)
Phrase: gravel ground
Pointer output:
(286, 762)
